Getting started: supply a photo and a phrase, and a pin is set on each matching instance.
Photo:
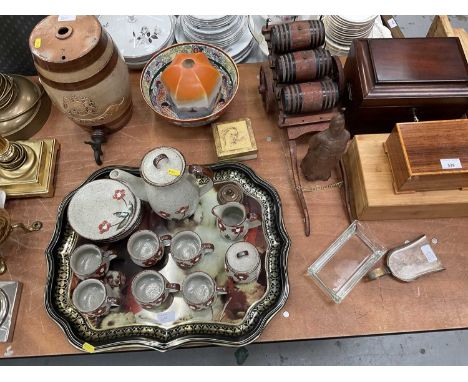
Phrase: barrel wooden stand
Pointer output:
(311, 65)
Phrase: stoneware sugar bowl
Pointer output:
(167, 183)
(242, 262)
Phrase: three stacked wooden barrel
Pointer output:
(82, 71)
(302, 69)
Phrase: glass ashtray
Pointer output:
(345, 262)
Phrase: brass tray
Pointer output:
(236, 319)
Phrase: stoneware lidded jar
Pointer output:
(83, 72)
(167, 183)
(242, 262)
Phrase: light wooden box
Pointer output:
(371, 191)
(429, 156)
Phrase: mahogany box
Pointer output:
(370, 187)
(429, 156)
(398, 80)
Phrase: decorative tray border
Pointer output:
(80, 334)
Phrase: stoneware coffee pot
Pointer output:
(170, 187)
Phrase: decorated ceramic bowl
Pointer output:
(157, 97)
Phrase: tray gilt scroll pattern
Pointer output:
(79, 331)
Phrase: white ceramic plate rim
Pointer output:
(150, 49)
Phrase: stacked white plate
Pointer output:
(104, 210)
(139, 37)
(340, 31)
(228, 32)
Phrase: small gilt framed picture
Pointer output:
(235, 140)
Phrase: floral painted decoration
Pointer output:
(104, 226)
(124, 216)
(182, 210)
(238, 230)
(146, 36)
(165, 215)
(119, 194)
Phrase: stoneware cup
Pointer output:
(151, 289)
(233, 220)
(242, 262)
(146, 248)
(187, 249)
(89, 261)
(91, 298)
(199, 290)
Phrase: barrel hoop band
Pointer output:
(89, 82)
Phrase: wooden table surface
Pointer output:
(435, 302)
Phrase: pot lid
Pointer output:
(162, 166)
(230, 192)
(242, 257)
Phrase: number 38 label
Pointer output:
(451, 164)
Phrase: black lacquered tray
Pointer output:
(236, 319)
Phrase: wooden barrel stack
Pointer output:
(301, 78)
(301, 83)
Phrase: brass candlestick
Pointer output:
(27, 167)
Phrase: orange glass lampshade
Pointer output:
(193, 84)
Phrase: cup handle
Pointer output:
(242, 254)
(158, 159)
(253, 219)
(201, 171)
(207, 248)
(109, 255)
(166, 240)
(173, 287)
(221, 290)
(114, 301)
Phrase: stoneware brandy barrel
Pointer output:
(304, 65)
(82, 71)
(299, 35)
(309, 97)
